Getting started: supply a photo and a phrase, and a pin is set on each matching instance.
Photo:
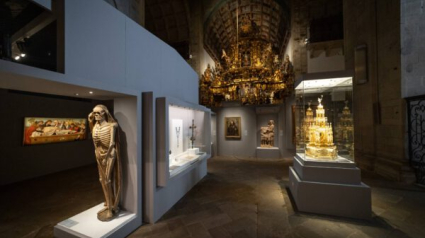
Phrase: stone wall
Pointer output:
(198, 12)
(302, 12)
(299, 28)
(196, 36)
(413, 47)
(379, 109)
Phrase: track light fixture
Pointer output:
(22, 48)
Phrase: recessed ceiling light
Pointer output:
(91, 92)
(23, 55)
(76, 94)
(17, 57)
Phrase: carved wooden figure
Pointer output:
(104, 130)
(267, 135)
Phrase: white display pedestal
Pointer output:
(268, 152)
(329, 187)
(86, 224)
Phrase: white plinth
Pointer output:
(332, 190)
(86, 224)
(193, 151)
(339, 162)
(327, 172)
(268, 152)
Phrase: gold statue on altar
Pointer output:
(319, 136)
(207, 76)
(249, 71)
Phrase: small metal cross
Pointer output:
(193, 127)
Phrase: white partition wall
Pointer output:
(128, 114)
(173, 180)
(113, 50)
(118, 60)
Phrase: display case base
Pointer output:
(323, 172)
(268, 152)
(185, 160)
(336, 191)
(339, 162)
(86, 224)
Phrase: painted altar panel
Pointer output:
(44, 130)
(232, 128)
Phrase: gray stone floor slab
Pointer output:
(239, 197)
(253, 201)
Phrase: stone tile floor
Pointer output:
(240, 197)
(247, 197)
(31, 209)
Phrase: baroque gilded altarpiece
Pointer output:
(250, 71)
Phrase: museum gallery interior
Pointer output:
(212, 118)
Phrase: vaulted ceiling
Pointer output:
(271, 16)
(169, 21)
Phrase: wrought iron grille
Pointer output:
(416, 133)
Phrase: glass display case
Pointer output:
(323, 167)
(184, 134)
(186, 142)
(324, 120)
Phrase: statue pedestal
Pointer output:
(329, 187)
(193, 151)
(86, 224)
(268, 152)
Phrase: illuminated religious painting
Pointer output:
(232, 127)
(42, 130)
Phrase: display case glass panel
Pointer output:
(186, 142)
(184, 137)
(324, 129)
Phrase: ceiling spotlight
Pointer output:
(91, 92)
(23, 55)
(17, 57)
(22, 47)
(76, 94)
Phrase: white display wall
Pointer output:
(104, 54)
(165, 187)
(251, 121)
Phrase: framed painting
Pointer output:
(232, 128)
(44, 130)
